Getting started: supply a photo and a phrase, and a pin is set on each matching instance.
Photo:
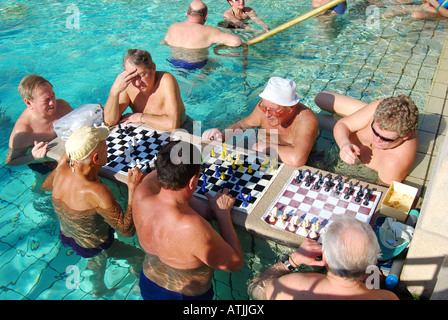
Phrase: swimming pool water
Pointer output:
(400, 56)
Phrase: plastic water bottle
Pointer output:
(395, 270)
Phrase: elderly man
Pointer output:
(87, 210)
(182, 247)
(194, 34)
(348, 249)
(153, 96)
(291, 128)
(34, 128)
(381, 134)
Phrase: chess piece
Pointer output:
(305, 223)
(313, 235)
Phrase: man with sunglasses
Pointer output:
(381, 134)
(291, 128)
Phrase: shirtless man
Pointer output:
(349, 247)
(381, 134)
(86, 208)
(182, 247)
(193, 34)
(279, 114)
(34, 128)
(153, 96)
(238, 16)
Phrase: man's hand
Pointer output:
(39, 150)
(307, 253)
(131, 118)
(222, 202)
(135, 176)
(122, 81)
(349, 153)
(212, 134)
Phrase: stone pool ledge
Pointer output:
(425, 272)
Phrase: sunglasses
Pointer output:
(381, 137)
(274, 113)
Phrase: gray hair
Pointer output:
(349, 246)
(138, 57)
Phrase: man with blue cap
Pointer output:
(291, 128)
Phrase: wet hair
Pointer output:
(138, 57)
(349, 247)
(398, 114)
(177, 162)
(29, 83)
(201, 12)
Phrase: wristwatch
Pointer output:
(286, 262)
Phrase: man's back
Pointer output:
(75, 201)
(173, 237)
(316, 286)
(195, 35)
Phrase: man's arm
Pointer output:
(118, 100)
(19, 156)
(436, 7)
(112, 211)
(221, 37)
(305, 134)
(350, 124)
(173, 106)
(252, 121)
(222, 252)
(262, 286)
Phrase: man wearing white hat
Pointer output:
(86, 208)
(278, 113)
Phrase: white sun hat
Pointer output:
(280, 91)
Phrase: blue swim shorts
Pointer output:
(87, 252)
(443, 3)
(340, 8)
(187, 65)
(151, 291)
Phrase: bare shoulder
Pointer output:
(166, 79)
(99, 195)
(294, 286)
(249, 11)
(306, 118)
(19, 137)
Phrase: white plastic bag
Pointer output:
(85, 115)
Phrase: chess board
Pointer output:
(145, 143)
(313, 197)
(240, 180)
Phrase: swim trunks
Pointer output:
(151, 291)
(443, 3)
(340, 8)
(43, 167)
(87, 252)
(187, 65)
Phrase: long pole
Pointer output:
(295, 21)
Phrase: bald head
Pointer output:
(197, 8)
